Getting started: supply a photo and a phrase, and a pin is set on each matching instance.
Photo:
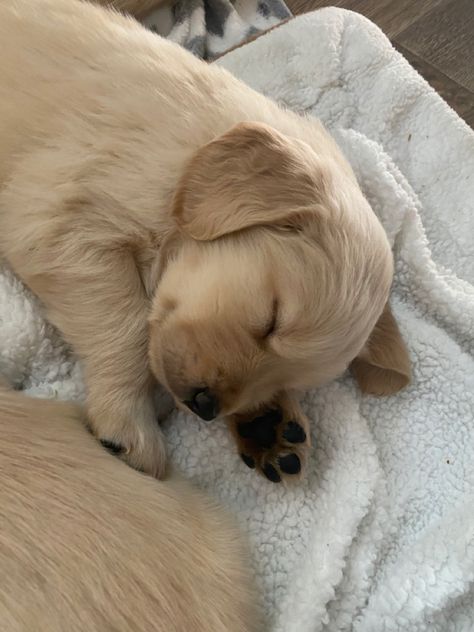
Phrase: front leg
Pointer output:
(275, 440)
(99, 303)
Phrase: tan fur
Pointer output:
(115, 143)
(86, 543)
(138, 8)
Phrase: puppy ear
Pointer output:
(383, 365)
(251, 175)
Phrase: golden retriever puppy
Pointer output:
(86, 543)
(178, 225)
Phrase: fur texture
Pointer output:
(157, 205)
(88, 544)
(138, 8)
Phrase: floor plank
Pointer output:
(444, 37)
(392, 16)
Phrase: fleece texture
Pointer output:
(379, 536)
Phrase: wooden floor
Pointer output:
(436, 36)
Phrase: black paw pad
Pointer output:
(271, 473)
(248, 460)
(114, 448)
(290, 464)
(294, 433)
(261, 429)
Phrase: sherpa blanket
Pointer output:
(208, 28)
(380, 534)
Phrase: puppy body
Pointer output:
(86, 543)
(114, 106)
(138, 8)
(125, 161)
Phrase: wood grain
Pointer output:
(445, 38)
(391, 16)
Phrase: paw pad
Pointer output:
(294, 433)
(261, 430)
(290, 464)
(248, 460)
(271, 473)
(273, 445)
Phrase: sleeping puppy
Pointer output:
(178, 225)
(88, 544)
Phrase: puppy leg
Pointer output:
(274, 440)
(97, 299)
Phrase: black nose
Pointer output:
(203, 403)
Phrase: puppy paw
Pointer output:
(275, 443)
(136, 439)
(144, 451)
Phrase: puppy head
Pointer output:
(273, 280)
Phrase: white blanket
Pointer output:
(380, 535)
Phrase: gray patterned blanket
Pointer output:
(209, 28)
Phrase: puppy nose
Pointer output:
(203, 403)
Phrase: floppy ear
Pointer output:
(383, 365)
(251, 175)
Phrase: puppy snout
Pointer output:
(203, 403)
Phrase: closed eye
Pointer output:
(272, 323)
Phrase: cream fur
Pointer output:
(138, 8)
(86, 543)
(118, 148)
